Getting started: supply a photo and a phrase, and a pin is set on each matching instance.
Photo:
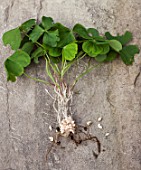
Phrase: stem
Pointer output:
(63, 68)
(48, 71)
(35, 42)
(84, 73)
(67, 66)
(38, 80)
(54, 67)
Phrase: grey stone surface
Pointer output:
(112, 91)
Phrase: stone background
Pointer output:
(113, 92)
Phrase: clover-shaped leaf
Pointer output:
(55, 52)
(15, 64)
(47, 22)
(91, 48)
(28, 25)
(105, 47)
(81, 31)
(101, 57)
(123, 39)
(36, 33)
(127, 54)
(39, 52)
(89, 33)
(111, 56)
(93, 32)
(12, 37)
(28, 47)
(65, 34)
(116, 45)
(51, 38)
(69, 51)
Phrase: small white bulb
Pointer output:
(50, 127)
(51, 138)
(89, 123)
(100, 126)
(107, 134)
(99, 119)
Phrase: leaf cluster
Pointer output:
(59, 44)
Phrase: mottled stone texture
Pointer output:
(112, 91)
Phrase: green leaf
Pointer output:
(82, 31)
(12, 37)
(102, 42)
(123, 39)
(11, 77)
(28, 25)
(55, 60)
(24, 40)
(28, 47)
(21, 58)
(47, 22)
(15, 64)
(101, 57)
(91, 48)
(51, 38)
(105, 47)
(39, 52)
(116, 45)
(13, 68)
(65, 34)
(89, 33)
(92, 32)
(111, 56)
(55, 52)
(127, 54)
(69, 51)
(36, 33)
(100, 39)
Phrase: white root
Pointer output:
(49, 93)
(67, 126)
(61, 105)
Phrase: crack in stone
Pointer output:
(39, 9)
(9, 169)
(118, 140)
(108, 99)
(136, 79)
(7, 111)
(7, 11)
(12, 3)
(108, 93)
(41, 5)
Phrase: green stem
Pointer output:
(35, 42)
(62, 69)
(48, 71)
(40, 45)
(67, 66)
(84, 73)
(38, 80)
(54, 67)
